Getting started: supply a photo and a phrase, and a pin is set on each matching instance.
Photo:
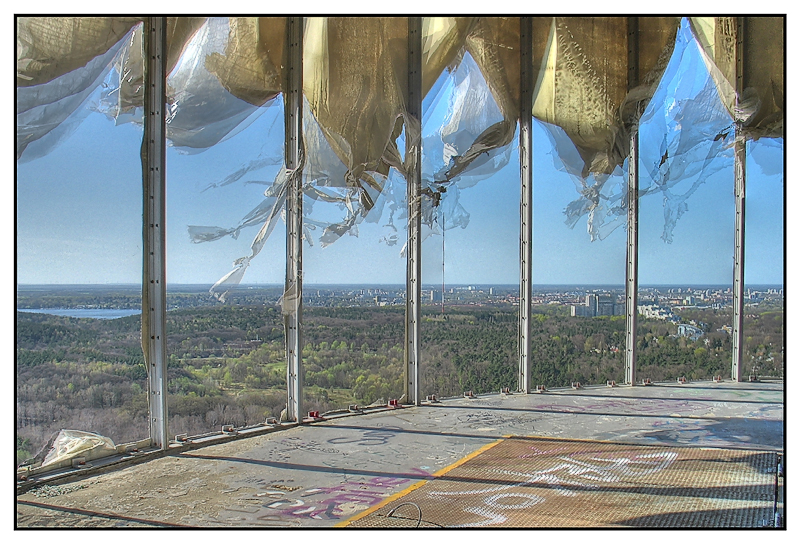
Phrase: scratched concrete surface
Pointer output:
(323, 474)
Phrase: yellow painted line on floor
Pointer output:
(417, 485)
(472, 455)
(381, 504)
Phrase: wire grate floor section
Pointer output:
(549, 483)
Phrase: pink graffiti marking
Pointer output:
(366, 493)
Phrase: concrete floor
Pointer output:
(322, 474)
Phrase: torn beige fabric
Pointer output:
(250, 67)
(355, 73)
(359, 64)
(221, 70)
(49, 47)
(180, 31)
(583, 85)
(494, 44)
(760, 103)
(443, 39)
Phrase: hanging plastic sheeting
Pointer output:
(214, 88)
(266, 214)
(230, 73)
(361, 123)
(588, 103)
(125, 96)
(336, 93)
(458, 113)
(463, 149)
(60, 62)
(325, 183)
(355, 73)
(602, 197)
(583, 83)
(223, 71)
(761, 103)
(686, 134)
(212, 92)
(494, 44)
(49, 47)
(468, 124)
(468, 109)
(206, 71)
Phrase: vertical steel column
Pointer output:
(154, 288)
(632, 268)
(740, 157)
(414, 195)
(526, 200)
(293, 287)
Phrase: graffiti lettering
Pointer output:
(494, 502)
(297, 444)
(639, 406)
(490, 419)
(331, 502)
(374, 437)
(564, 477)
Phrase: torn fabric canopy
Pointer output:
(583, 81)
(595, 77)
(760, 105)
(686, 134)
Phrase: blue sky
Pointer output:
(79, 221)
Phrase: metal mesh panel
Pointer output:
(561, 483)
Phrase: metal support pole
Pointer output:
(526, 200)
(154, 288)
(414, 194)
(739, 168)
(632, 268)
(293, 287)
(737, 336)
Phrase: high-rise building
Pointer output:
(591, 303)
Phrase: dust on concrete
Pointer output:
(169, 490)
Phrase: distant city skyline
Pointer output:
(426, 286)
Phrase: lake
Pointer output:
(92, 313)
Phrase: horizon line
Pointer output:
(476, 284)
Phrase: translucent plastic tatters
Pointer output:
(596, 81)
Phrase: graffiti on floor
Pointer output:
(336, 501)
(279, 503)
(631, 407)
(295, 443)
(566, 476)
(369, 437)
(342, 500)
(488, 420)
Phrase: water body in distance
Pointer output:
(91, 313)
